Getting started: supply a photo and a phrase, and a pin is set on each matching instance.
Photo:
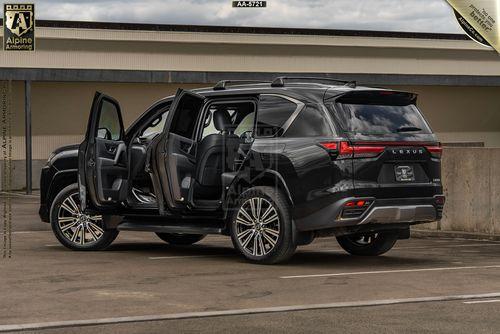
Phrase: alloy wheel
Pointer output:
(257, 226)
(77, 227)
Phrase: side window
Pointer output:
(311, 122)
(272, 113)
(241, 115)
(109, 122)
(246, 124)
(156, 126)
(208, 125)
(186, 114)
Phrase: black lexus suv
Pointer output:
(271, 164)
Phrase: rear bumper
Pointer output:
(400, 214)
(380, 212)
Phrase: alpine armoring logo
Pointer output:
(19, 27)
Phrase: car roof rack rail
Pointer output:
(221, 85)
(280, 81)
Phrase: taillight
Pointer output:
(344, 149)
(355, 208)
(363, 151)
(435, 150)
(439, 199)
(330, 146)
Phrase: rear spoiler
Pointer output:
(383, 97)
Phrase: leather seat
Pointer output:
(216, 152)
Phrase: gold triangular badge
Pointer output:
(483, 16)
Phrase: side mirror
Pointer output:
(247, 137)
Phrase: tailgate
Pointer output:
(394, 152)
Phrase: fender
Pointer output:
(238, 184)
(55, 185)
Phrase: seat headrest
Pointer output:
(222, 120)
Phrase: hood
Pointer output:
(66, 148)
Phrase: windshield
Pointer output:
(381, 119)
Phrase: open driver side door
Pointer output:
(102, 157)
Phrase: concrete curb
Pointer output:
(416, 233)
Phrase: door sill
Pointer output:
(173, 227)
(206, 205)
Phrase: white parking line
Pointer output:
(483, 301)
(276, 309)
(444, 239)
(449, 246)
(415, 247)
(183, 257)
(6, 194)
(391, 271)
(29, 232)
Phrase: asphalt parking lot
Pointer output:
(142, 285)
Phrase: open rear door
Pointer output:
(102, 157)
(175, 151)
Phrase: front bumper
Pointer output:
(384, 211)
(47, 173)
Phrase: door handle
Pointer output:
(110, 148)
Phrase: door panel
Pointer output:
(181, 166)
(175, 151)
(102, 156)
(112, 171)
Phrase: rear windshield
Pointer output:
(381, 119)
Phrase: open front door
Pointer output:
(102, 156)
(175, 150)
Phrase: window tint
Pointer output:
(246, 124)
(382, 119)
(109, 122)
(156, 126)
(311, 122)
(272, 113)
(209, 125)
(241, 117)
(185, 117)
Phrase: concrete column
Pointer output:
(27, 135)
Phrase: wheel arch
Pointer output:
(268, 178)
(61, 180)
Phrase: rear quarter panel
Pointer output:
(313, 179)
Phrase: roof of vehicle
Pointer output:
(303, 91)
(307, 92)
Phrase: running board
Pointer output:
(186, 228)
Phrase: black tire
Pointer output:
(372, 244)
(281, 230)
(101, 239)
(180, 239)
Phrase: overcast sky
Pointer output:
(400, 15)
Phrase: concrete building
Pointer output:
(458, 81)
